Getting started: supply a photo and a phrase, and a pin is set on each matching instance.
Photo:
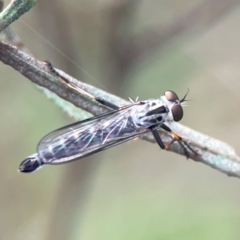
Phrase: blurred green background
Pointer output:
(135, 190)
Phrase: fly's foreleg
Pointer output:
(185, 146)
(81, 91)
(158, 138)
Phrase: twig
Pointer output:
(9, 36)
(13, 11)
(211, 151)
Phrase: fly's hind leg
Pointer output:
(78, 89)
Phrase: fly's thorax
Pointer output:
(151, 113)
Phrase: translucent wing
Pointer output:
(89, 136)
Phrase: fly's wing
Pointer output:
(89, 136)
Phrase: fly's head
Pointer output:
(174, 105)
(155, 112)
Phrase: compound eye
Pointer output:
(171, 96)
(177, 112)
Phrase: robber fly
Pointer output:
(118, 125)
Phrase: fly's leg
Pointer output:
(162, 145)
(158, 138)
(185, 146)
(81, 91)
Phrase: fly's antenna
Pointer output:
(183, 99)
